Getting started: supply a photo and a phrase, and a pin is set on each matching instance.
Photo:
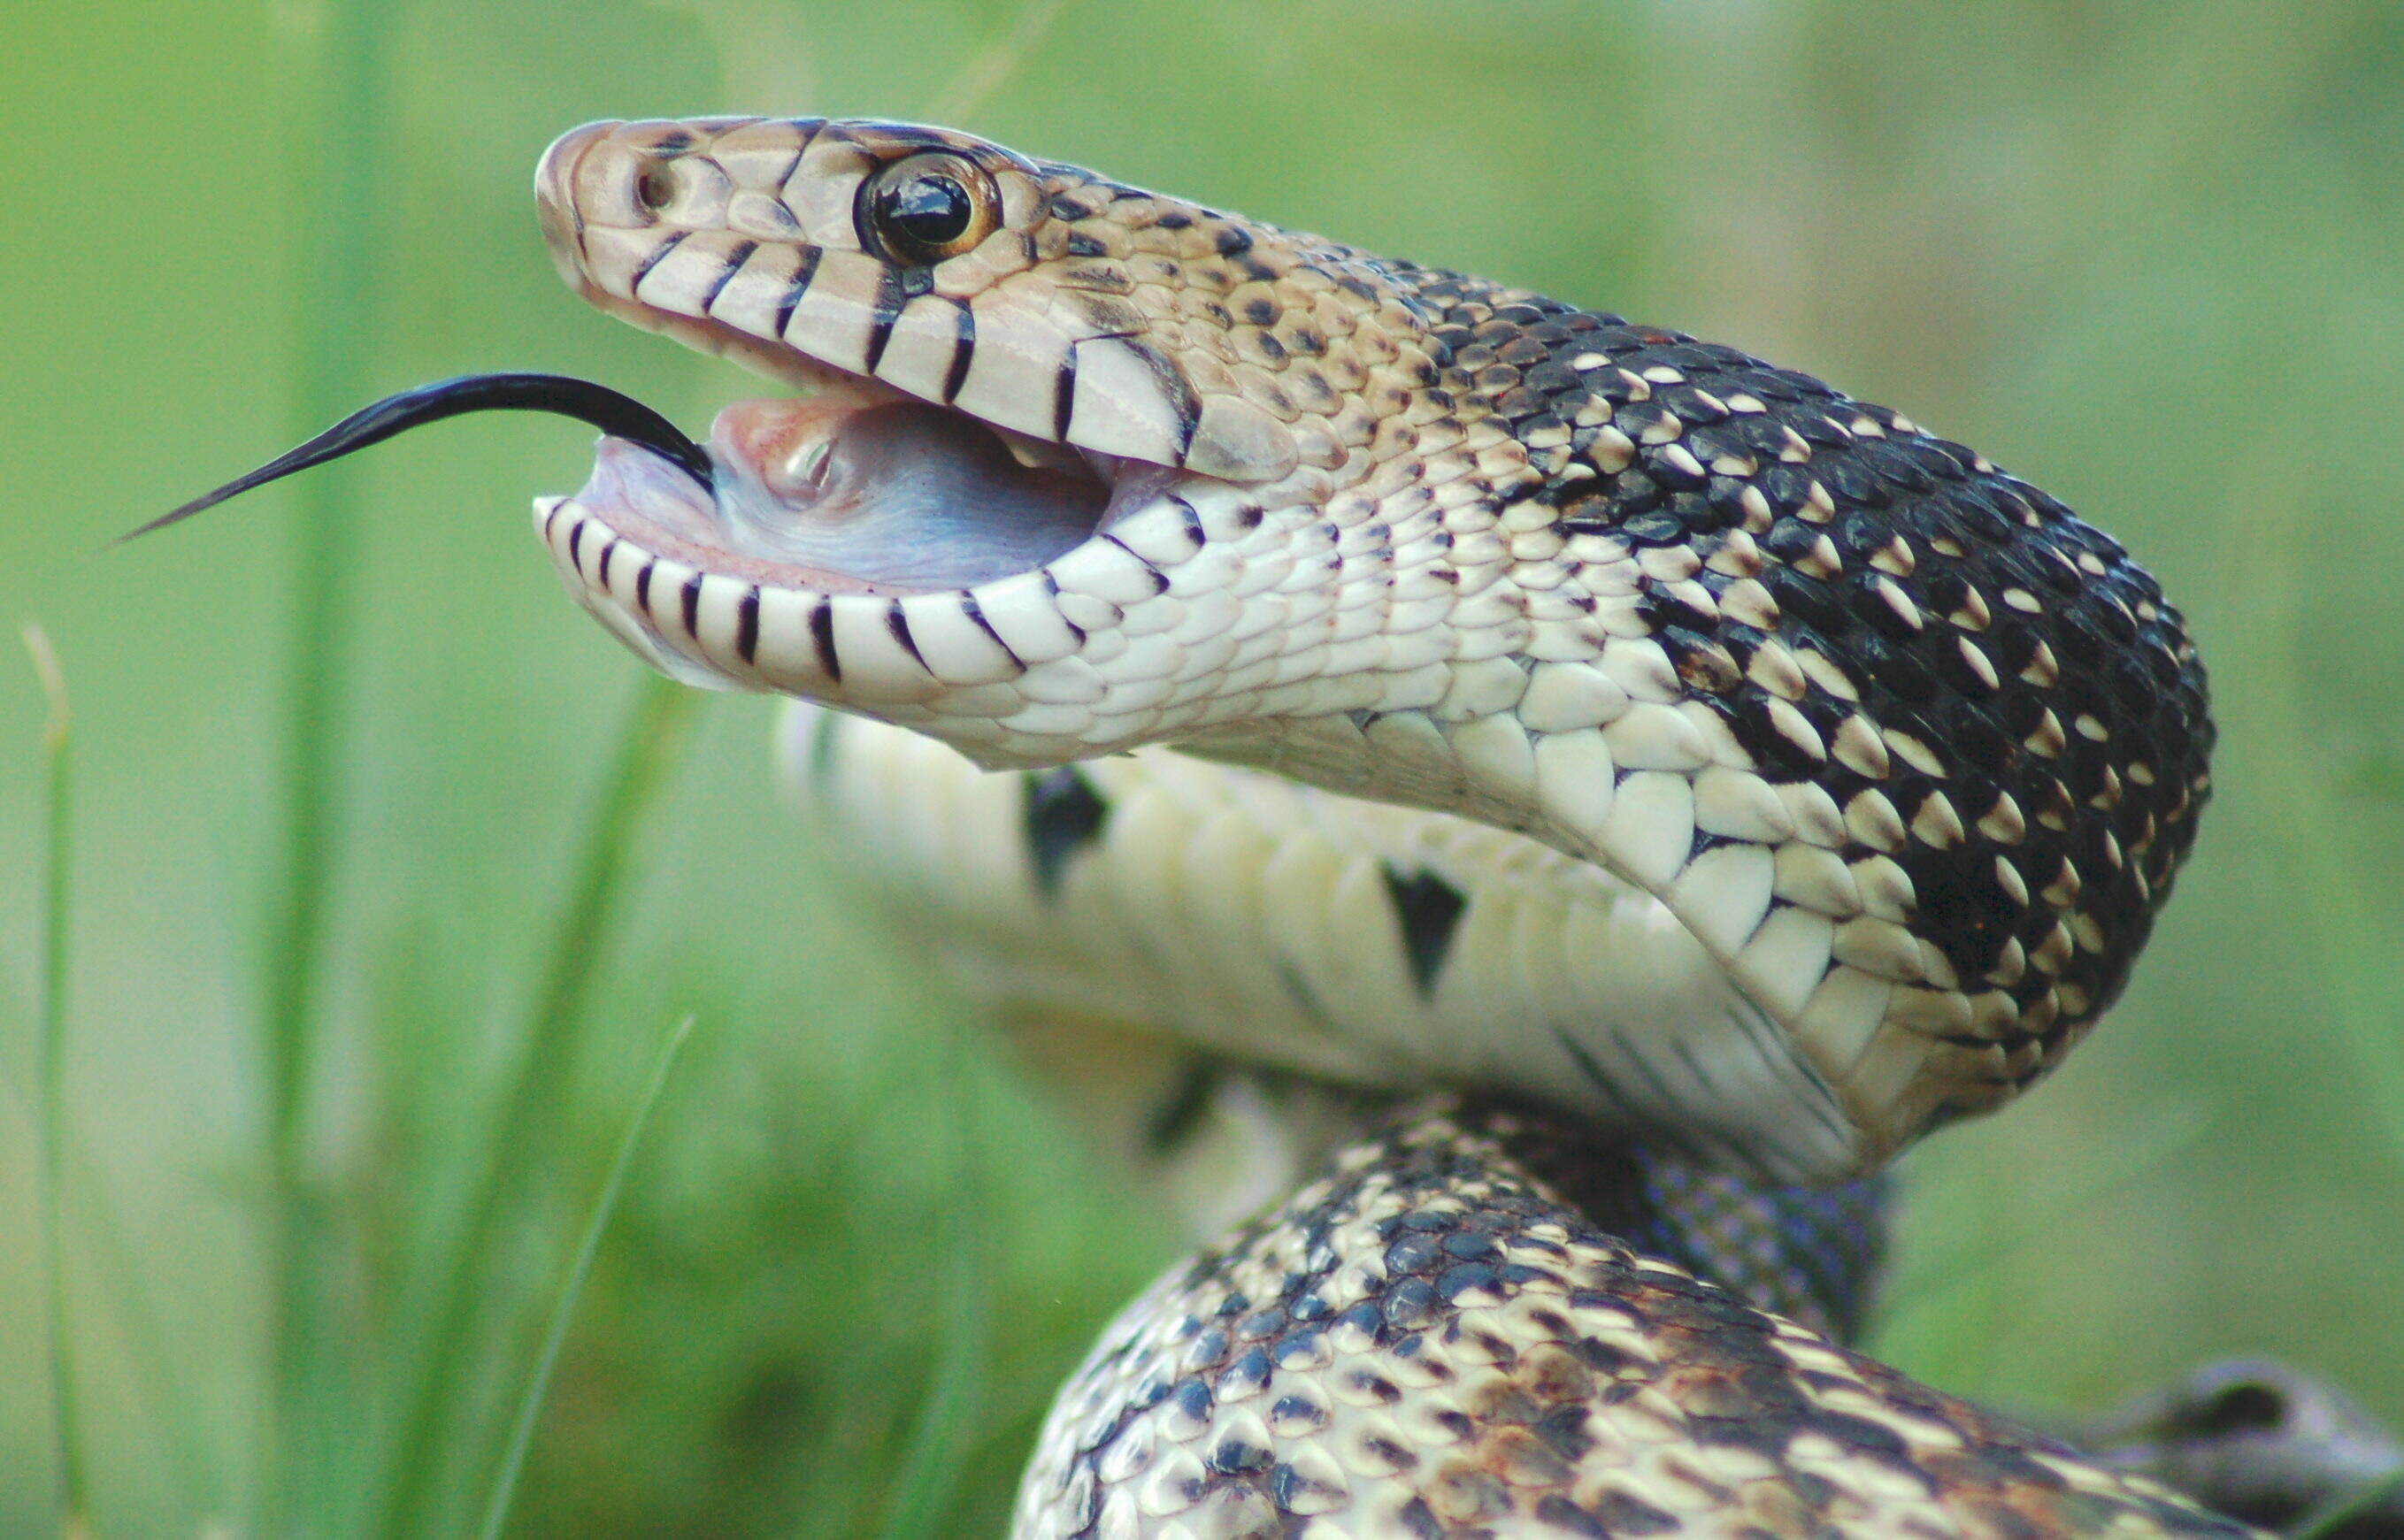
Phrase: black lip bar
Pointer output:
(613, 413)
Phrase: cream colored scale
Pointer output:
(1252, 917)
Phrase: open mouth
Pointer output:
(859, 489)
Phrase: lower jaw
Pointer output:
(856, 490)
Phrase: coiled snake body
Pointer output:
(1622, 792)
(1746, 771)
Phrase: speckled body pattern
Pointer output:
(1887, 748)
(1432, 1341)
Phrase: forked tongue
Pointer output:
(878, 490)
(620, 416)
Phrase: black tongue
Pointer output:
(620, 416)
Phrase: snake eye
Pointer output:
(925, 208)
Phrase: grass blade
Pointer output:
(334, 302)
(955, 1386)
(534, 1106)
(2355, 964)
(504, 1482)
(2149, 1147)
(75, 1484)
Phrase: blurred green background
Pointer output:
(2151, 256)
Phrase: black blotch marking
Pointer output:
(1159, 578)
(1192, 1397)
(1190, 522)
(1235, 1457)
(735, 260)
(1294, 1409)
(1052, 589)
(1568, 1518)
(889, 300)
(822, 635)
(897, 624)
(1429, 910)
(1064, 814)
(1064, 395)
(693, 606)
(747, 625)
(643, 585)
(969, 607)
(802, 276)
(1623, 1513)
(963, 350)
(653, 260)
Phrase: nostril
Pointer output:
(2248, 1405)
(655, 189)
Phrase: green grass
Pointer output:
(370, 961)
(49, 1012)
(440, 1415)
(571, 1288)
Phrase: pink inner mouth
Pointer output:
(859, 491)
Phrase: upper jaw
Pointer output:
(740, 238)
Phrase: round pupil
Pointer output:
(929, 209)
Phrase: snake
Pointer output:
(1509, 818)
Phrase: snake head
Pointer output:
(1081, 468)
(1911, 752)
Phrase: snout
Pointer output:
(555, 200)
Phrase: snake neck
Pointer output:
(1913, 752)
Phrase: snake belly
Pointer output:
(1616, 733)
